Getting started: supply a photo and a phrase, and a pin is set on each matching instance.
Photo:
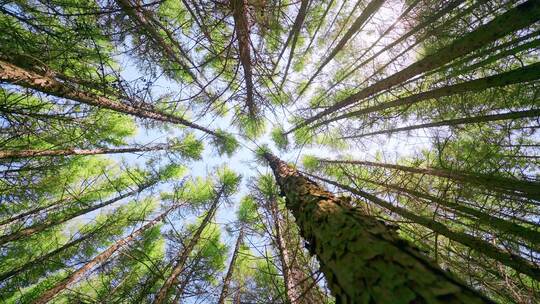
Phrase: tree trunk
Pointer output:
(291, 274)
(508, 186)
(41, 259)
(371, 8)
(454, 122)
(514, 19)
(48, 223)
(100, 258)
(509, 259)
(18, 76)
(67, 152)
(242, 28)
(182, 259)
(228, 276)
(363, 259)
(140, 17)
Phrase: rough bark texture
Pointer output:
(228, 276)
(100, 258)
(509, 259)
(18, 76)
(242, 28)
(364, 261)
(161, 297)
(515, 19)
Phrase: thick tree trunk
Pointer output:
(508, 186)
(509, 259)
(242, 27)
(525, 74)
(18, 76)
(161, 297)
(66, 152)
(455, 122)
(515, 19)
(100, 258)
(363, 259)
(228, 276)
(48, 223)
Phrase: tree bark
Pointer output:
(18, 76)
(454, 122)
(511, 260)
(242, 28)
(228, 276)
(363, 259)
(99, 259)
(67, 152)
(514, 19)
(484, 218)
(184, 254)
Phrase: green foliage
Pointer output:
(225, 143)
(247, 211)
(279, 138)
(172, 172)
(251, 127)
(198, 191)
(310, 163)
(189, 147)
(228, 180)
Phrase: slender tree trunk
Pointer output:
(515, 19)
(295, 32)
(511, 260)
(484, 218)
(525, 74)
(67, 152)
(43, 258)
(527, 189)
(298, 21)
(363, 259)
(371, 8)
(319, 24)
(291, 275)
(228, 276)
(34, 211)
(18, 76)
(99, 259)
(182, 259)
(242, 27)
(48, 223)
(140, 17)
(455, 122)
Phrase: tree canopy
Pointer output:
(254, 151)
